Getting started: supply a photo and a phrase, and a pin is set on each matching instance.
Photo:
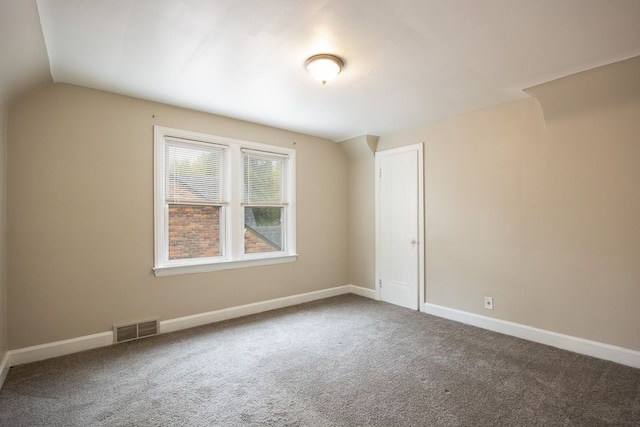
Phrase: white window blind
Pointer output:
(195, 173)
(264, 178)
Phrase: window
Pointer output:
(264, 201)
(221, 203)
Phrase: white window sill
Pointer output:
(175, 270)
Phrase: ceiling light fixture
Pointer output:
(324, 67)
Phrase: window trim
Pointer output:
(233, 251)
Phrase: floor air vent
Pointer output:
(133, 331)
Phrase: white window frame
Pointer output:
(232, 237)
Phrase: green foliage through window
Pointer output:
(267, 216)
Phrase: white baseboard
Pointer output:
(103, 339)
(59, 348)
(591, 348)
(363, 292)
(247, 309)
(4, 368)
(613, 353)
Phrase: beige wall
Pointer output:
(543, 216)
(25, 65)
(360, 152)
(3, 210)
(80, 217)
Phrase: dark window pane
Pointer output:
(263, 229)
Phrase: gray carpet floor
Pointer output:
(343, 361)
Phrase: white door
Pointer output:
(399, 219)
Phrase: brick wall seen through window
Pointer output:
(194, 231)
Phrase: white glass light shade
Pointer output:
(324, 67)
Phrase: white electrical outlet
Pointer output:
(488, 303)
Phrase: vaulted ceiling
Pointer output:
(408, 62)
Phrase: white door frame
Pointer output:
(421, 235)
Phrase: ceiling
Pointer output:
(408, 62)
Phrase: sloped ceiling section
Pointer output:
(617, 83)
(24, 64)
(408, 62)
